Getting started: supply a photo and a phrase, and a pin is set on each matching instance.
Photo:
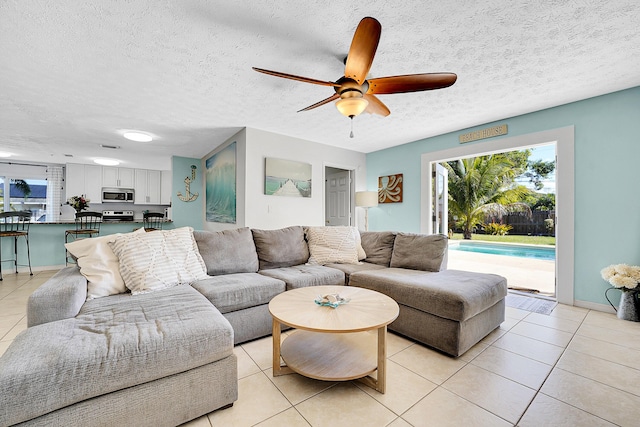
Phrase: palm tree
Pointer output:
(24, 187)
(483, 186)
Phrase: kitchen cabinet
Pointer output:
(165, 187)
(83, 180)
(118, 177)
(147, 187)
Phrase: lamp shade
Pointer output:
(366, 199)
(351, 107)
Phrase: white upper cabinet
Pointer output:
(165, 187)
(147, 187)
(84, 180)
(118, 177)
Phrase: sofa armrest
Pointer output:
(60, 297)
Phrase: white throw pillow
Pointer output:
(158, 259)
(99, 265)
(361, 253)
(329, 245)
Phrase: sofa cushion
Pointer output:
(378, 245)
(301, 276)
(228, 251)
(451, 294)
(115, 342)
(332, 245)
(347, 269)
(284, 247)
(158, 259)
(419, 251)
(233, 292)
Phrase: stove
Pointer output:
(115, 216)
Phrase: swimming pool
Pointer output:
(522, 251)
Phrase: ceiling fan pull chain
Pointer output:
(351, 134)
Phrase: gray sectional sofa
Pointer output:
(166, 357)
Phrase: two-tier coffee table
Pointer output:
(332, 343)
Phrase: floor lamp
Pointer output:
(366, 200)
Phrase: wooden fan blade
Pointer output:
(411, 83)
(363, 49)
(298, 78)
(324, 101)
(376, 106)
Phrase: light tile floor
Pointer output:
(575, 367)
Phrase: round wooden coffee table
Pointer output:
(332, 343)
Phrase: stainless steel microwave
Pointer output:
(117, 195)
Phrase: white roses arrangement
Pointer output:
(622, 276)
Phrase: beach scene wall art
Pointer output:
(287, 178)
(221, 186)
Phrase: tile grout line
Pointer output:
(553, 367)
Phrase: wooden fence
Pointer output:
(534, 225)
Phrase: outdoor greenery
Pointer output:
(23, 186)
(527, 240)
(484, 188)
(497, 229)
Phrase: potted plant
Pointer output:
(626, 278)
(79, 203)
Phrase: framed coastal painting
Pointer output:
(390, 189)
(221, 186)
(287, 178)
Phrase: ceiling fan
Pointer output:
(354, 92)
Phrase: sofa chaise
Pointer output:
(163, 355)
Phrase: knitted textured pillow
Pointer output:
(158, 259)
(328, 245)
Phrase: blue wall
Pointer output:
(187, 213)
(607, 190)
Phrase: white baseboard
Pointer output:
(22, 269)
(594, 306)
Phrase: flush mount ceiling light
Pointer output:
(107, 162)
(137, 136)
(5, 154)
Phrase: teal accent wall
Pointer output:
(187, 213)
(607, 183)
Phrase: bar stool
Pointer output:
(15, 224)
(87, 224)
(153, 221)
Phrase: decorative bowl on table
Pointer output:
(331, 300)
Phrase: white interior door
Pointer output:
(440, 214)
(338, 198)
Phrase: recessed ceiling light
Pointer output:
(107, 162)
(5, 154)
(137, 136)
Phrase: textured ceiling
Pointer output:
(74, 74)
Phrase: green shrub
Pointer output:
(497, 229)
(548, 224)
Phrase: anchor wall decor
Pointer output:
(189, 196)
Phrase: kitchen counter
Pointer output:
(72, 222)
(46, 240)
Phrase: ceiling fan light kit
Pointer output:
(351, 107)
(354, 93)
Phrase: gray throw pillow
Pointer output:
(378, 245)
(227, 252)
(284, 247)
(419, 251)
